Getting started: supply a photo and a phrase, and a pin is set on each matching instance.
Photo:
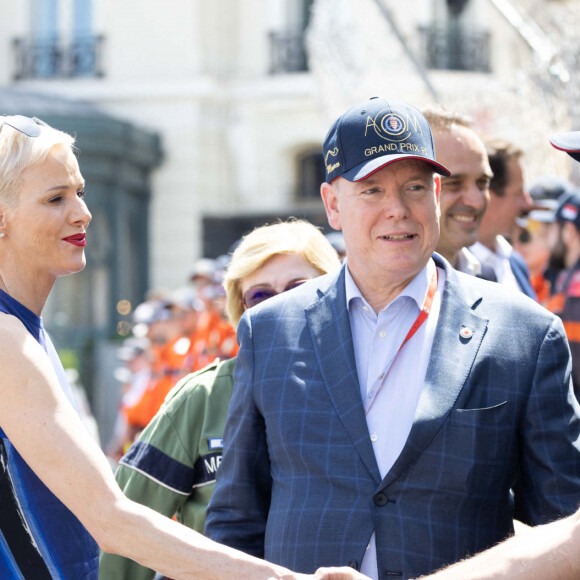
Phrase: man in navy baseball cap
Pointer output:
(374, 134)
(367, 449)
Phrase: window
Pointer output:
(311, 174)
(61, 42)
(454, 40)
(288, 22)
(44, 26)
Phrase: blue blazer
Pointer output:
(522, 274)
(299, 483)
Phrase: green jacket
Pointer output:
(171, 467)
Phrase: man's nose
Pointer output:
(475, 197)
(526, 201)
(395, 206)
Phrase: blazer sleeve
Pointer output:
(548, 486)
(238, 510)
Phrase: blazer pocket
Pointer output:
(490, 417)
(480, 451)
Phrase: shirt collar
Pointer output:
(468, 263)
(503, 250)
(503, 247)
(416, 289)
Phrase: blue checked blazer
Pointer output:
(299, 483)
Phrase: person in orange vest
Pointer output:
(533, 242)
(565, 299)
(163, 319)
(214, 336)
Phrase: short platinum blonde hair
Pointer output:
(19, 152)
(290, 237)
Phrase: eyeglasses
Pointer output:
(524, 237)
(29, 126)
(260, 293)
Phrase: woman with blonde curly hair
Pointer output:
(171, 468)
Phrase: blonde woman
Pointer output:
(58, 497)
(172, 467)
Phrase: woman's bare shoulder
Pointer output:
(12, 333)
(12, 330)
(18, 349)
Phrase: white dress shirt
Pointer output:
(498, 260)
(391, 381)
(468, 263)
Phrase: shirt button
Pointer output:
(374, 437)
(382, 334)
(365, 308)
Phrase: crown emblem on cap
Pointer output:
(392, 126)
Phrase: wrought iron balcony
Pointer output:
(455, 47)
(287, 52)
(49, 59)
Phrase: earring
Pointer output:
(1, 234)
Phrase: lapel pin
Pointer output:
(466, 332)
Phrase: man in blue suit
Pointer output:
(509, 200)
(397, 415)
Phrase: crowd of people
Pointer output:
(174, 333)
(389, 400)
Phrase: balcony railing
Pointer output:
(287, 52)
(49, 59)
(455, 47)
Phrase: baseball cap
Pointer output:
(133, 347)
(569, 209)
(543, 211)
(152, 311)
(375, 133)
(549, 187)
(568, 142)
(203, 268)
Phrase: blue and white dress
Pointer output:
(40, 538)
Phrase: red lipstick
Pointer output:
(77, 240)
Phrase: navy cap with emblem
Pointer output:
(371, 135)
(568, 142)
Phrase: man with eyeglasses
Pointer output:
(508, 201)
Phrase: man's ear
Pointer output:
(329, 194)
(437, 179)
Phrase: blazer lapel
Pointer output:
(457, 340)
(332, 338)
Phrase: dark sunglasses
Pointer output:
(29, 126)
(524, 237)
(260, 293)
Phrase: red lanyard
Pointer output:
(425, 309)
